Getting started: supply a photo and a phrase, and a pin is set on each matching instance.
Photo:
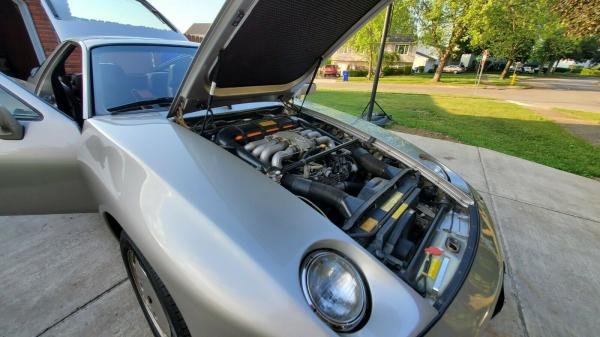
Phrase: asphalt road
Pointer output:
(547, 93)
(565, 83)
(62, 275)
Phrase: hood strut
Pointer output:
(211, 94)
(312, 80)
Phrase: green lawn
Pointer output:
(465, 79)
(583, 115)
(496, 125)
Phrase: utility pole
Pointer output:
(372, 102)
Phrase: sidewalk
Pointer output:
(62, 275)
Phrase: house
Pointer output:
(197, 31)
(404, 46)
(31, 29)
(425, 59)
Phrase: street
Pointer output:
(577, 94)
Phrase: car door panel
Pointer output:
(40, 173)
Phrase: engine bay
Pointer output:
(390, 209)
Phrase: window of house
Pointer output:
(402, 48)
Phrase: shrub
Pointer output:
(590, 72)
(421, 69)
(358, 73)
(403, 70)
(575, 69)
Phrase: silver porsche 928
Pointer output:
(242, 210)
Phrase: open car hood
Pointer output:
(266, 50)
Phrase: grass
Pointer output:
(465, 79)
(488, 123)
(583, 115)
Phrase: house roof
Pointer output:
(425, 55)
(198, 29)
(427, 51)
(401, 39)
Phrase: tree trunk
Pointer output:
(438, 72)
(553, 67)
(506, 68)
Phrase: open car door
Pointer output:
(39, 171)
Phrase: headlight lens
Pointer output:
(334, 289)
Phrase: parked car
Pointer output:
(519, 67)
(530, 68)
(330, 70)
(241, 209)
(456, 69)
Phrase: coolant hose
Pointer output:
(374, 165)
(330, 195)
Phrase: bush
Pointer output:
(590, 72)
(575, 69)
(404, 70)
(421, 69)
(358, 73)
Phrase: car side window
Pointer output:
(63, 86)
(17, 108)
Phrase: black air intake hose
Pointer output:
(225, 137)
(343, 202)
(374, 165)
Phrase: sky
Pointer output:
(183, 13)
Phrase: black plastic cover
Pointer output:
(282, 39)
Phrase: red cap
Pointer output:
(435, 251)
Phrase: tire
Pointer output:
(172, 322)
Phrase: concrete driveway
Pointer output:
(62, 275)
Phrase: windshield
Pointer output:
(127, 74)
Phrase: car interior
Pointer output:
(136, 83)
(64, 88)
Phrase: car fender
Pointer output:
(226, 241)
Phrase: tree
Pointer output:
(587, 48)
(551, 48)
(580, 17)
(507, 29)
(442, 24)
(367, 39)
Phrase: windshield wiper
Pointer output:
(141, 104)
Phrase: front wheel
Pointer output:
(160, 310)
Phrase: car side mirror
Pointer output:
(10, 128)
